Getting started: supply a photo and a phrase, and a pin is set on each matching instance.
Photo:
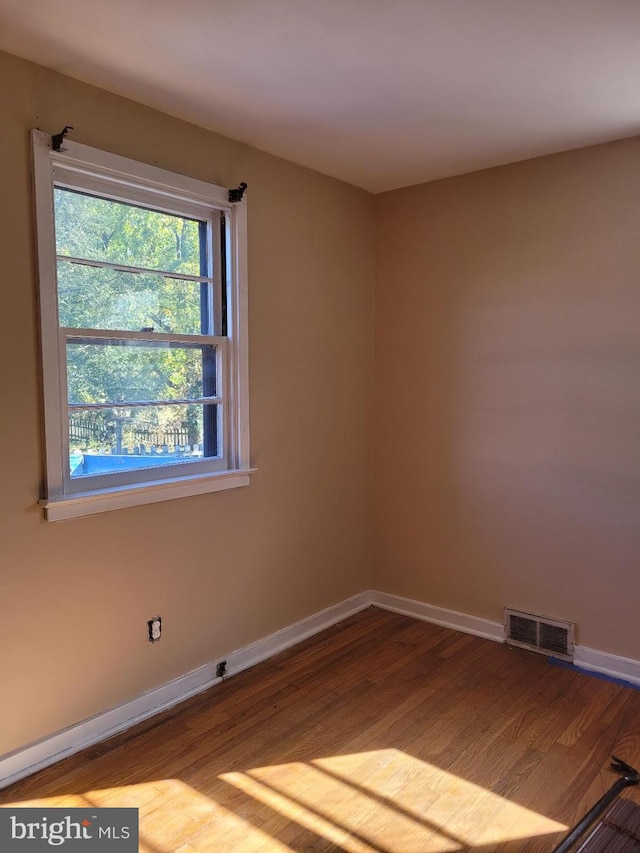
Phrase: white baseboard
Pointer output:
(614, 666)
(36, 756)
(439, 616)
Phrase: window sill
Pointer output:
(89, 503)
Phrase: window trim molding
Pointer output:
(111, 170)
(88, 503)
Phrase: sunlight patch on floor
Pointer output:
(174, 818)
(354, 824)
(388, 800)
(381, 801)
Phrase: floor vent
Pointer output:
(551, 637)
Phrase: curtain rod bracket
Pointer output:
(236, 195)
(57, 138)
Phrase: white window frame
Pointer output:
(79, 166)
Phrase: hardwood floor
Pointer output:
(382, 734)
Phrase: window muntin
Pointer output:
(149, 331)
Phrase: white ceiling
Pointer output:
(379, 93)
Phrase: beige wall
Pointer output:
(507, 392)
(222, 569)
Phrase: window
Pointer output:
(144, 332)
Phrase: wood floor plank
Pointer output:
(382, 734)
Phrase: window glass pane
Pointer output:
(128, 438)
(103, 230)
(94, 298)
(115, 371)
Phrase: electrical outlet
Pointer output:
(221, 669)
(155, 629)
